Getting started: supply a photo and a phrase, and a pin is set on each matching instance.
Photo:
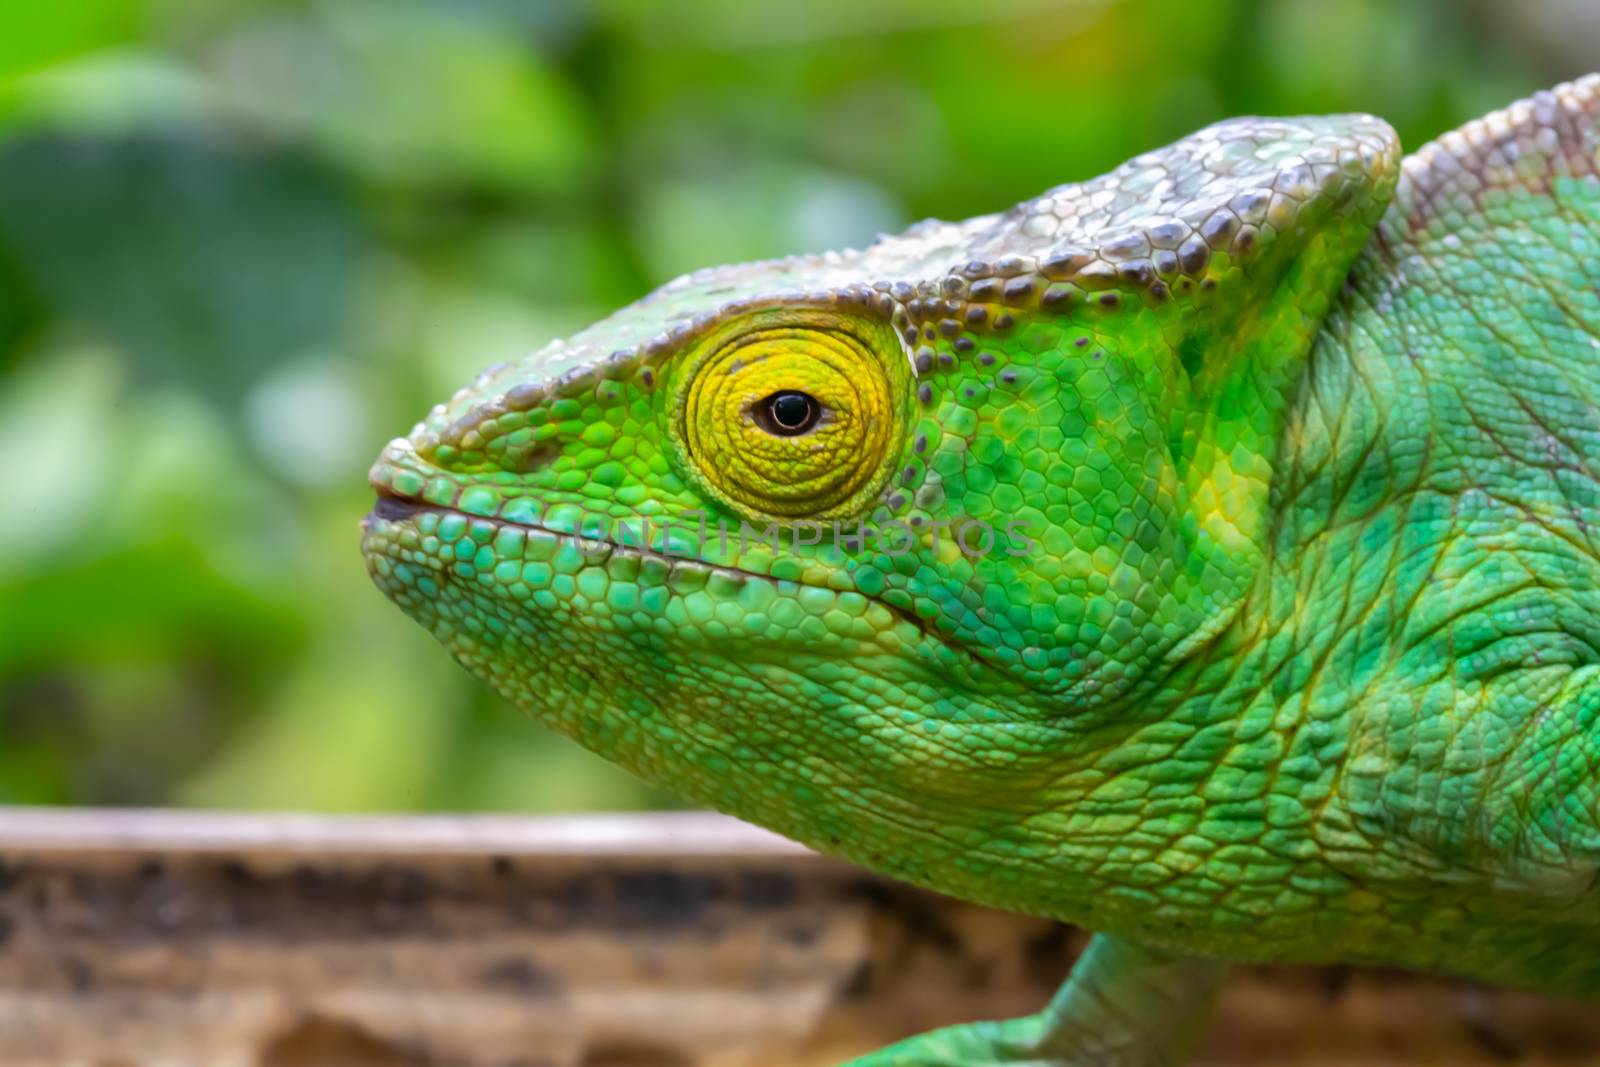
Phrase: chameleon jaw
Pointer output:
(402, 531)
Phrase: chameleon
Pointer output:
(1206, 554)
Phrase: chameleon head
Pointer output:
(843, 544)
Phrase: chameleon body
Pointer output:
(1207, 554)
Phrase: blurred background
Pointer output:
(243, 242)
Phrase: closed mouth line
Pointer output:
(391, 507)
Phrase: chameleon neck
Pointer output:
(1441, 495)
(1433, 723)
(1429, 729)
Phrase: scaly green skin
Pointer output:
(1286, 645)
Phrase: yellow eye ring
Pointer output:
(844, 388)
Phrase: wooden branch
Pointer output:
(138, 939)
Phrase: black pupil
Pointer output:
(792, 412)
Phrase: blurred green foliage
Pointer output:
(243, 242)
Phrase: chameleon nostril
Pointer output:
(536, 458)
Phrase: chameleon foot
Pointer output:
(1122, 1006)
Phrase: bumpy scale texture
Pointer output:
(1205, 553)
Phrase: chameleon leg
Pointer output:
(1122, 1006)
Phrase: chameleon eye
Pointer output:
(788, 413)
(793, 412)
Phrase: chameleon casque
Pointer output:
(1273, 629)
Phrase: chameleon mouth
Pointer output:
(393, 508)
